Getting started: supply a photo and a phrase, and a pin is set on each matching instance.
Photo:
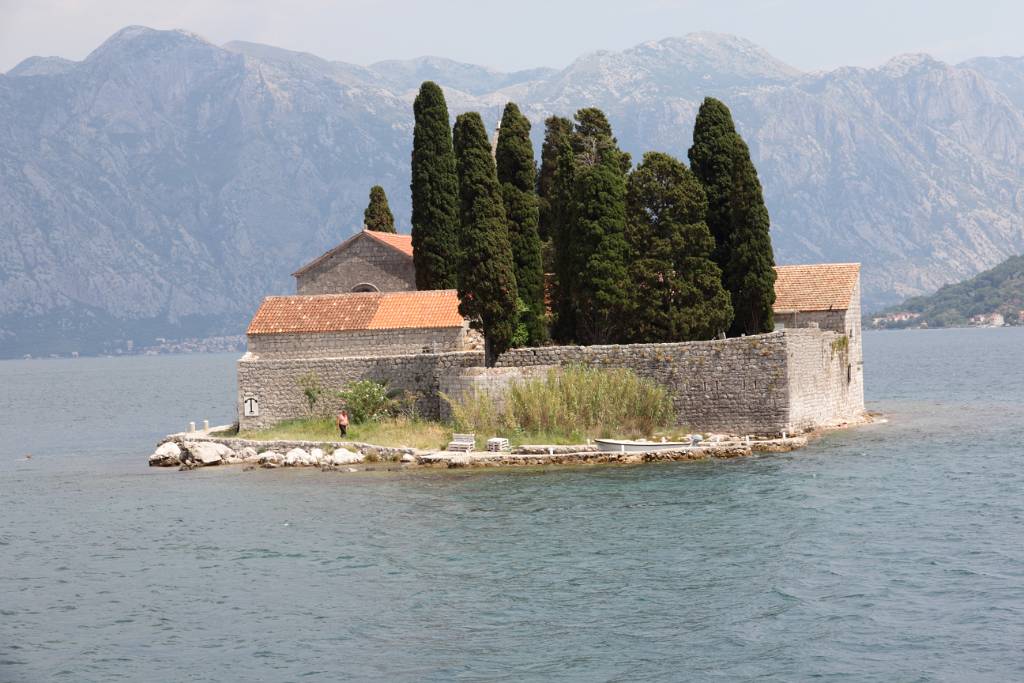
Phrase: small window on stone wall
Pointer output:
(849, 373)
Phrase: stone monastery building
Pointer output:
(358, 315)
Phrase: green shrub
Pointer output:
(367, 400)
(311, 388)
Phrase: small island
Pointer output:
(588, 311)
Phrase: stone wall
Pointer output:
(365, 261)
(361, 343)
(790, 380)
(821, 379)
(274, 382)
(730, 385)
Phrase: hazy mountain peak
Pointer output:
(42, 66)
(133, 42)
(902, 65)
(727, 51)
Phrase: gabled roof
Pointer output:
(816, 287)
(357, 311)
(400, 243)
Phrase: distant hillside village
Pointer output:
(994, 298)
(514, 267)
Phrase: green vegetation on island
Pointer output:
(737, 217)
(435, 192)
(992, 298)
(378, 214)
(486, 273)
(517, 174)
(658, 253)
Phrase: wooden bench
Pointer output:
(462, 442)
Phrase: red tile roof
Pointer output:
(357, 311)
(400, 243)
(817, 287)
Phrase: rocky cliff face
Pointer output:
(162, 185)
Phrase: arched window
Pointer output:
(365, 287)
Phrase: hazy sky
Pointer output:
(514, 34)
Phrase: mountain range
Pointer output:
(161, 186)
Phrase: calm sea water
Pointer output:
(893, 552)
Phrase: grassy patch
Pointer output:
(397, 431)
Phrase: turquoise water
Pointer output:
(893, 552)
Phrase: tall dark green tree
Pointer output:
(563, 327)
(677, 292)
(487, 281)
(378, 215)
(435, 193)
(600, 288)
(737, 217)
(517, 174)
(597, 252)
(557, 132)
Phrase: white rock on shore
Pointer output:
(343, 456)
(206, 453)
(269, 459)
(316, 456)
(296, 457)
(166, 455)
(248, 455)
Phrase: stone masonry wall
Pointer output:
(359, 343)
(364, 262)
(274, 381)
(821, 379)
(734, 385)
(790, 380)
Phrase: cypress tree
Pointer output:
(378, 215)
(562, 241)
(600, 290)
(435, 193)
(517, 175)
(737, 217)
(592, 251)
(487, 282)
(677, 290)
(557, 132)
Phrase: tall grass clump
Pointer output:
(567, 406)
(477, 411)
(590, 401)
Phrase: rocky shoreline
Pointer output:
(188, 451)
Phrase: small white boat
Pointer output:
(623, 446)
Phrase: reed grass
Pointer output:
(569, 405)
